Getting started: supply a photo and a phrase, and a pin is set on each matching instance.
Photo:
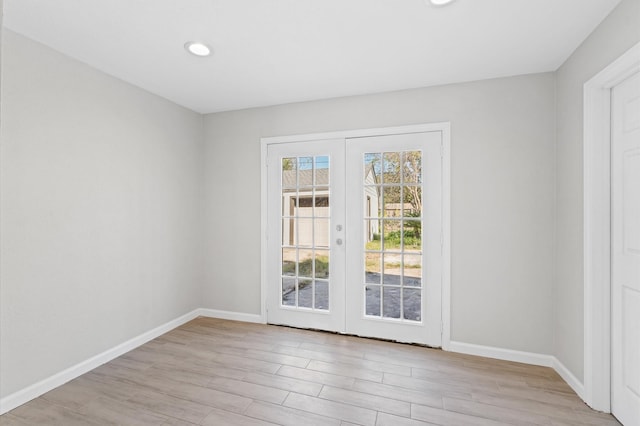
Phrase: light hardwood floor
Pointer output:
(216, 372)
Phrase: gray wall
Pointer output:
(503, 150)
(615, 35)
(101, 212)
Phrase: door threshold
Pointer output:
(422, 345)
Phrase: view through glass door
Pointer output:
(354, 233)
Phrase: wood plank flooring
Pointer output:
(217, 372)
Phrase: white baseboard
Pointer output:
(27, 394)
(16, 399)
(567, 376)
(233, 316)
(524, 357)
(35, 390)
(503, 354)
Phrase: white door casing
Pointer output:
(625, 251)
(436, 305)
(595, 390)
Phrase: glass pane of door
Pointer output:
(394, 230)
(392, 190)
(305, 217)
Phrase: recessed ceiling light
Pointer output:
(197, 48)
(438, 2)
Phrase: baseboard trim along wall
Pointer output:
(568, 377)
(35, 390)
(523, 357)
(228, 315)
(25, 395)
(503, 354)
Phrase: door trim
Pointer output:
(597, 224)
(445, 129)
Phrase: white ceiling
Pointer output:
(269, 52)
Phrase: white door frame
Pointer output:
(443, 127)
(597, 227)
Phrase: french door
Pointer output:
(354, 236)
(306, 251)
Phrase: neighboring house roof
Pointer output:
(370, 175)
(305, 178)
(322, 177)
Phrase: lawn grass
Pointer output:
(390, 244)
(305, 268)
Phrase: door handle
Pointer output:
(339, 241)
